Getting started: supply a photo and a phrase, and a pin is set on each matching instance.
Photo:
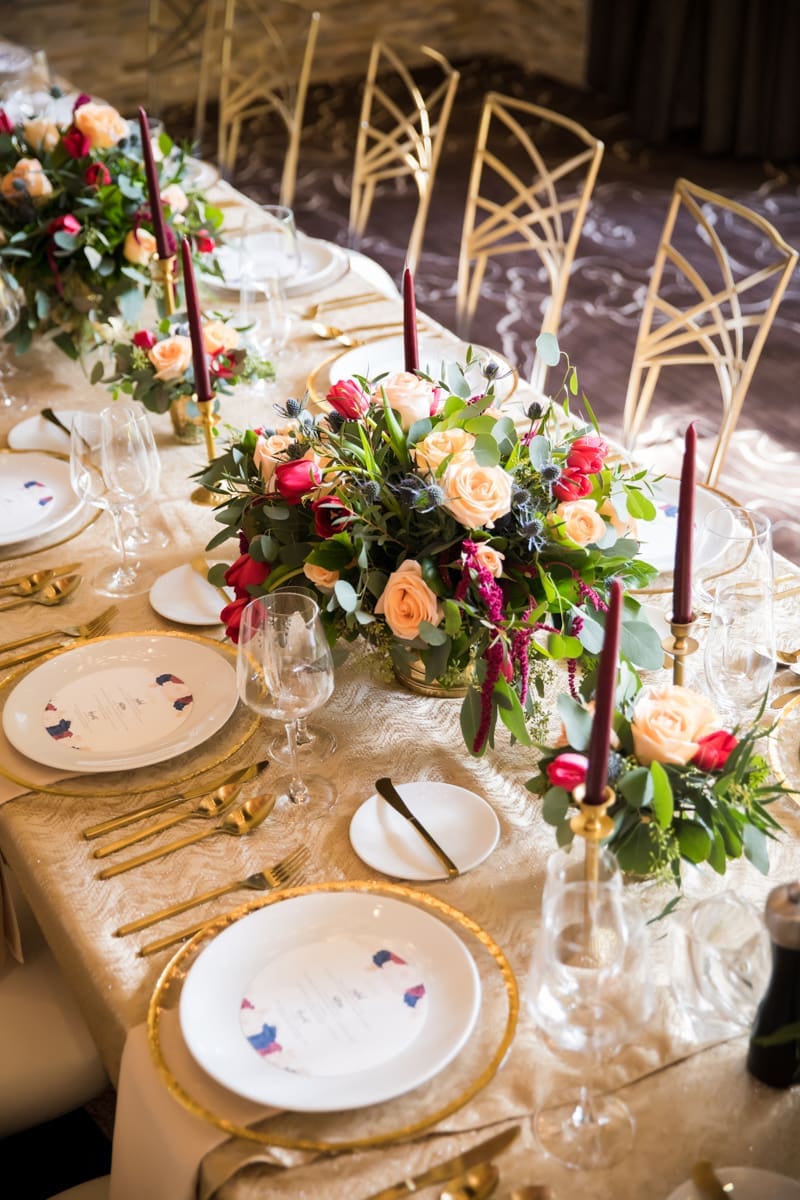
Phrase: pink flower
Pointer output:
(246, 573)
(327, 516)
(296, 479)
(348, 399)
(76, 144)
(144, 339)
(714, 749)
(204, 242)
(231, 616)
(587, 454)
(5, 124)
(80, 101)
(572, 485)
(568, 770)
(68, 223)
(97, 175)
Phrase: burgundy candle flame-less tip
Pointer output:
(604, 703)
(682, 575)
(153, 190)
(201, 380)
(410, 347)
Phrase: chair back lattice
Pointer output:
(400, 134)
(532, 175)
(267, 51)
(705, 306)
(174, 46)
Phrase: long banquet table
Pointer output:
(684, 1075)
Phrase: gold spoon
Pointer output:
(54, 592)
(531, 1191)
(28, 584)
(475, 1184)
(239, 823)
(345, 336)
(314, 310)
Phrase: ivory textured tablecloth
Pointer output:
(699, 1106)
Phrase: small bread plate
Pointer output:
(121, 702)
(328, 1002)
(37, 433)
(321, 264)
(745, 1183)
(184, 596)
(460, 821)
(35, 495)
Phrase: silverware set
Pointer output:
(54, 591)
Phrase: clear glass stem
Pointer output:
(125, 565)
(302, 736)
(298, 792)
(584, 1114)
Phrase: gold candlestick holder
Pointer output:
(164, 272)
(594, 825)
(202, 495)
(678, 646)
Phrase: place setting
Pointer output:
(39, 507)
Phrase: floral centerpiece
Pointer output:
(75, 221)
(432, 526)
(685, 787)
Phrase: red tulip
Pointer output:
(568, 770)
(587, 454)
(296, 479)
(348, 399)
(572, 485)
(144, 339)
(714, 750)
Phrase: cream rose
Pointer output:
(269, 451)
(580, 521)
(321, 577)
(431, 452)
(41, 134)
(175, 197)
(171, 357)
(411, 398)
(490, 559)
(406, 600)
(476, 496)
(31, 172)
(139, 246)
(668, 722)
(219, 336)
(101, 124)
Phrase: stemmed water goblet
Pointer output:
(139, 536)
(269, 257)
(313, 741)
(734, 546)
(739, 653)
(285, 672)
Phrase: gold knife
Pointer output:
(199, 564)
(452, 1166)
(48, 573)
(393, 798)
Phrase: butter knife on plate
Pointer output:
(396, 801)
(481, 1152)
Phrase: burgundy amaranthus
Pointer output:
(491, 594)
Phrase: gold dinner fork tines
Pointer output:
(60, 637)
(278, 875)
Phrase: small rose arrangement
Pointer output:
(155, 367)
(75, 220)
(686, 789)
(440, 530)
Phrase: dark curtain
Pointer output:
(724, 72)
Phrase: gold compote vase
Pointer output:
(453, 686)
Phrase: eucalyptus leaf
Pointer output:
(346, 595)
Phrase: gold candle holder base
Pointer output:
(202, 495)
(678, 646)
(594, 825)
(164, 272)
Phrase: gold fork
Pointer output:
(63, 637)
(260, 881)
(284, 878)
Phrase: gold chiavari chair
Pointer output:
(537, 204)
(267, 51)
(706, 306)
(175, 38)
(400, 134)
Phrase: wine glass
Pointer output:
(728, 951)
(734, 545)
(285, 671)
(110, 455)
(139, 536)
(11, 302)
(739, 653)
(269, 257)
(314, 743)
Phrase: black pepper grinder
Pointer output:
(778, 1015)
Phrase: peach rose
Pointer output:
(668, 723)
(101, 124)
(622, 526)
(41, 134)
(219, 336)
(579, 521)
(406, 600)
(431, 452)
(139, 246)
(490, 559)
(321, 577)
(171, 357)
(31, 172)
(175, 197)
(476, 495)
(269, 451)
(412, 398)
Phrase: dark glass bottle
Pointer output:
(779, 1064)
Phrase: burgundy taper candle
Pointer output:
(600, 741)
(410, 323)
(682, 575)
(153, 190)
(202, 383)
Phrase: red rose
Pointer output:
(68, 223)
(349, 399)
(5, 124)
(714, 749)
(144, 339)
(231, 617)
(295, 479)
(204, 242)
(221, 365)
(97, 175)
(328, 514)
(246, 573)
(588, 454)
(568, 770)
(76, 144)
(572, 485)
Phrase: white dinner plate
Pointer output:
(461, 822)
(182, 595)
(657, 537)
(35, 433)
(120, 703)
(749, 1183)
(200, 174)
(321, 264)
(330, 1001)
(385, 355)
(35, 495)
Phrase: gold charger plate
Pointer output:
(72, 529)
(170, 774)
(448, 1092)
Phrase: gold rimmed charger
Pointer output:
(173, 773)
(783, 747)
(72, 529)
(445, 1094)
